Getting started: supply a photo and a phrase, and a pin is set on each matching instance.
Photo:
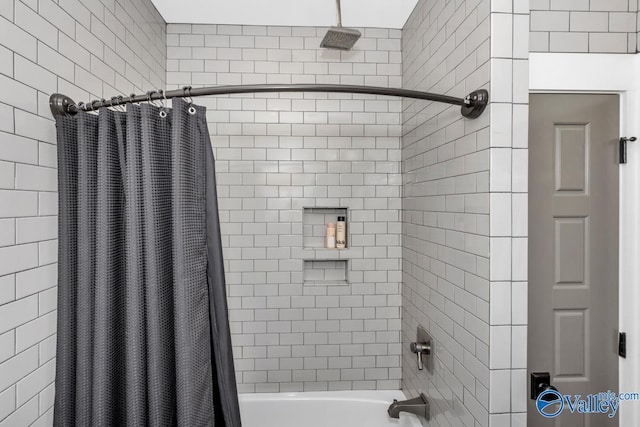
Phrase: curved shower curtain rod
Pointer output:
(472, 105)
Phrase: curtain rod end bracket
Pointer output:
(62, 105)
(475, 103)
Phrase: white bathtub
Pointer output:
(323, 409)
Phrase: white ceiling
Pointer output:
(355, 13)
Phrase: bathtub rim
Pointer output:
(373, 396)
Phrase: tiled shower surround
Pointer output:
(464, 252)
(277, 154)
(445, 161)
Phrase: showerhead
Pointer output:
(339, 37)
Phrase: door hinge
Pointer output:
(622, 151)
(622, 344)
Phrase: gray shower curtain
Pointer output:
(143, 333)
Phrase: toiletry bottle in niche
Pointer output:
(341, 233)
(330, 239)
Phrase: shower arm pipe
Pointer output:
(339, 13)
(472, 105)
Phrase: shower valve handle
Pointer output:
(420, 348)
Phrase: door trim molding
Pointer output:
(610, 73)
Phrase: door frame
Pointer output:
(617, 74)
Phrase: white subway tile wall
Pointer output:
(86, 50)
(581, 26)
(277, 154)
(446, 163)
(508, 186)
(465, 191)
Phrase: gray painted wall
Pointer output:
(86, 50)
(280, 153)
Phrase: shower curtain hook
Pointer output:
(119, 102)
(187, 93)
(149, 100)
(163, 113)
(115, 103)
(120, 106)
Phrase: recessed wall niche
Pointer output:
(326, 272)
(314, 224)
